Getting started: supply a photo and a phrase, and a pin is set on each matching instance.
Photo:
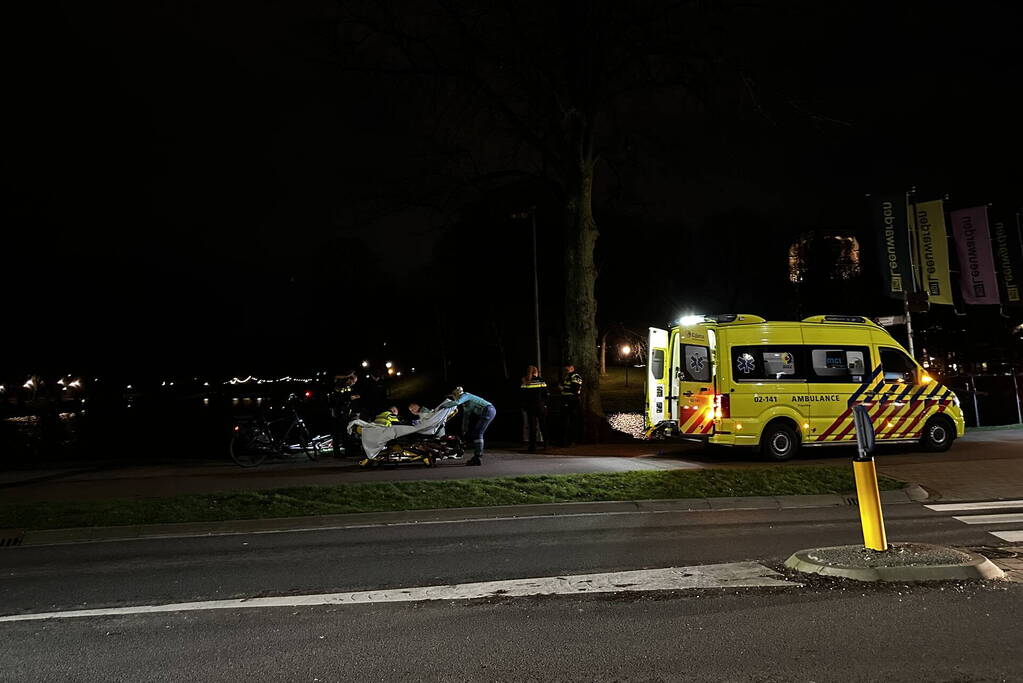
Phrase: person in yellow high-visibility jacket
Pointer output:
(388, 418)
(533, 397)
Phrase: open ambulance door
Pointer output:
(657, 377)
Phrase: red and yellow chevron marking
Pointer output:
(898, 420)
(699, 421)
(911, 432)
(895, 414)
(843, 424)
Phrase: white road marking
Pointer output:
(30, 536)
(1010, 536)
(992, 519)
(731, 575)
(983, 505)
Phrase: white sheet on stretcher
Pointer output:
(375, 436)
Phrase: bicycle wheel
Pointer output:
(249, 446)
(305, 443)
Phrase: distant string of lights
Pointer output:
(68, 382)
(250, 378)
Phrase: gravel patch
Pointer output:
(897, 555)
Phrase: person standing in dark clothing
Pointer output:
(571, 394)
(374, 395)
(342, 403)
(533, 399)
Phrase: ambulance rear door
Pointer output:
(657, 377)
(693, 381)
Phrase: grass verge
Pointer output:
(423, 495)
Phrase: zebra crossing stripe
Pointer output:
(981, 505)
(1004, 518)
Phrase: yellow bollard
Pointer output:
(870, 505)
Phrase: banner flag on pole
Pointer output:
(889, 217)
(1009, 259)
(932, 251)
(976, 261)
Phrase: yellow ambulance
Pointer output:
(739, 380)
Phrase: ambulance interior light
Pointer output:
(722, 406)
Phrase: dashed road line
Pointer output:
(730, 575)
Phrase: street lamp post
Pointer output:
(536, 282)
(536, 292)
(626, 351)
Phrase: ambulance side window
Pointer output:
(840, 363)
(657, 363)
(696, 363)
(759, 363)
(897, 366)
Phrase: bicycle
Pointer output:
(255, 439)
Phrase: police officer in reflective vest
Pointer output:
(533, 398)
(571, 393)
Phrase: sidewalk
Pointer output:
(154, 481)
(983, 465)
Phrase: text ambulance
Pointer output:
(739, 380)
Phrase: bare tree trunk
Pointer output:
(603, 354)
(580, 300)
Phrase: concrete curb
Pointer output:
(437, 516)
(973, 567)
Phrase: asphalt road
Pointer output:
(918, 634)
(953, 632)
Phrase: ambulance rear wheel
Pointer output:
(779, 442)
(938, 435)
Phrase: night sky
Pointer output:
(196, 185)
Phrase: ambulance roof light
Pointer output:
(726, 318)
(720, 319)
(840, 319)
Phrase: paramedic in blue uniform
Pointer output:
(480, 414)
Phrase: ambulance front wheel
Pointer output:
(779, 442)
(938, 435)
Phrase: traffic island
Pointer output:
(900, 562)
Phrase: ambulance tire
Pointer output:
(779, 442)
(938, 434)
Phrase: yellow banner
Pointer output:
(932, 251)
